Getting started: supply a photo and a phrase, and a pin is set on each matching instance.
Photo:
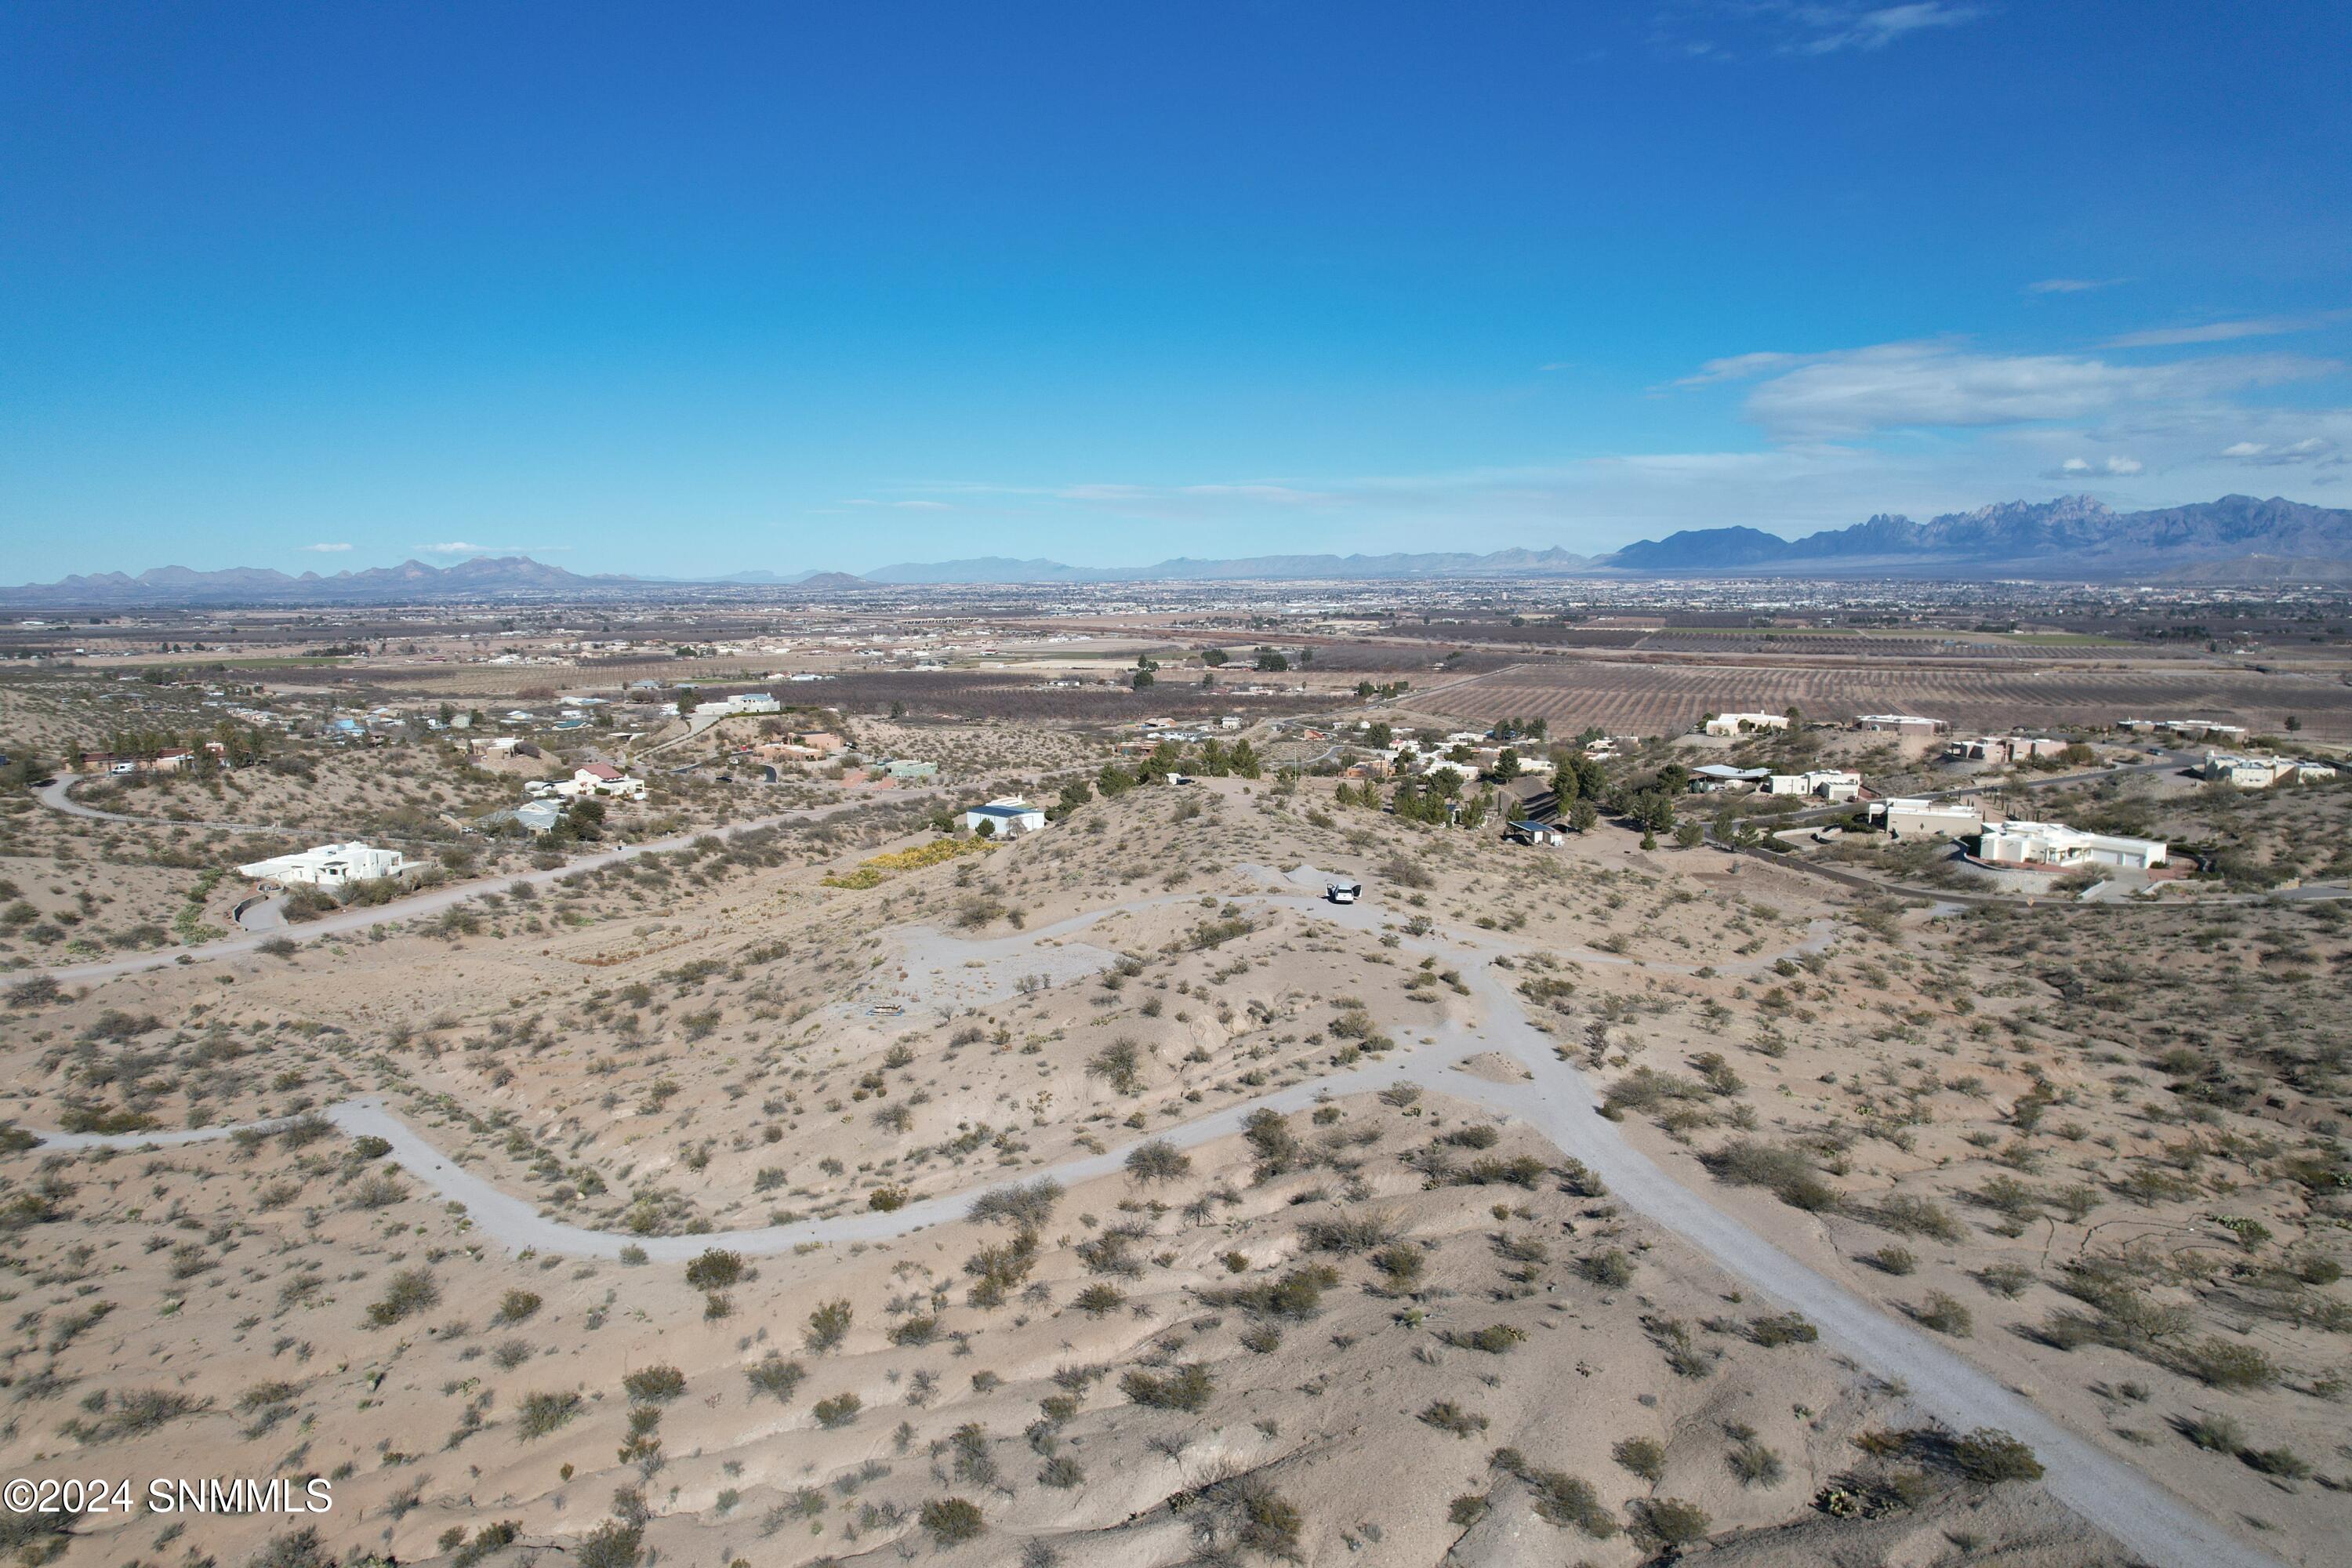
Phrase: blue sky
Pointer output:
(695, 289)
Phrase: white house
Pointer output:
(1828, 783)
(2260, 772)
(329, 866)
(1913, 818)
(1741, 723)
(741, 703)
(2055, 846)
(601, 778)
(1008, 818)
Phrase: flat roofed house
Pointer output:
(1008, 818)
(2005, 748)
(1901, 724)
(2260, 772)
(1928, 819)
(1826, 784)
(328, 866)
(1744, 723)
(2053, 846)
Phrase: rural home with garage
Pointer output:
(2053, 845)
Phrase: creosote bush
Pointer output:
(951, 1520)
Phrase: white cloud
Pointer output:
(2224, 332)
(1874, 29)
(2317, 451)
(327, 549)
(459, 547)
(1738, 367)
(1732, 29)
(2083, 469)
(2072, 285)
(1924, 385)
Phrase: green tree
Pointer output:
(1214, 657)
(1143, 678)
(1583, 817)
(1653, 809)
(1267, 659)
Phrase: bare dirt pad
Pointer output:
(1664, 699)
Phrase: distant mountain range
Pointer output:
(484, 577)
(2072, 536)
(2237, 539)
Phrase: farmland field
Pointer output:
(1859, 645)
(1666, 699)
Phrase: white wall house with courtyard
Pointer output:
(2053, 845)
(329, 866)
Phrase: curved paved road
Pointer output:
(1556, 1099)
(56, 794)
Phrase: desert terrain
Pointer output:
(782, 1173)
